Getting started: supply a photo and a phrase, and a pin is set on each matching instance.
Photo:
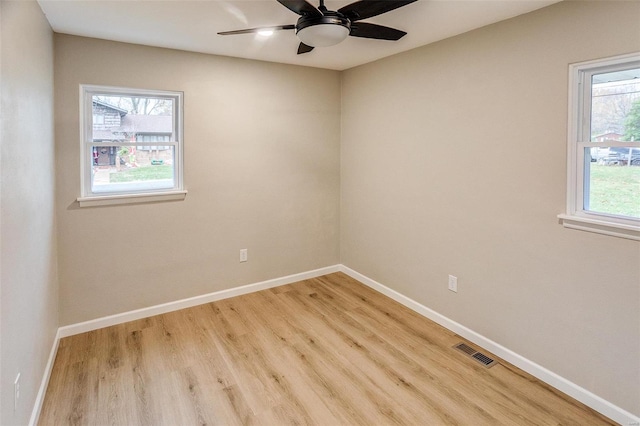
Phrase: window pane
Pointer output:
(132, 118)
(127, 169)
(615, 106)
(612, 181)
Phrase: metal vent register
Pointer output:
(478, 356)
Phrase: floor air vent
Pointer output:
(478, 356)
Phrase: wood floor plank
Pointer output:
(353, 339)
(323, 351)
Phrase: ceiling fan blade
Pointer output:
(255, 30)
(303, 48)
(364, 9)
(362, 29)
(301, 7)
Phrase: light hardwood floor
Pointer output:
(325, 351)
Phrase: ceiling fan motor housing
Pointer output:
(322, 31)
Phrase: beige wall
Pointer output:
(454, 162)
(29, 287)
(262, 162)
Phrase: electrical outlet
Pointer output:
(453, 283)
(243, 255)
(16, 392)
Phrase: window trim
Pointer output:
(579, 113)
(91, 199)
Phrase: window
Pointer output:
(603, 192)
(118, 163)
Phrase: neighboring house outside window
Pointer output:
(119, 164)
(603, 185)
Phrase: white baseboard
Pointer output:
(588, 398)
(37, 406)
(82, 327)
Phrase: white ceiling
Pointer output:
(192, 26)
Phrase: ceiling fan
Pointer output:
(320, 27)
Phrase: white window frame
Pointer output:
(89, 198)
(576, 216)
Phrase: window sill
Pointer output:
(110, 200)
(600, 227)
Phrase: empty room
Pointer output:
(281, 212)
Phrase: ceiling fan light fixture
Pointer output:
(323, 35)
(323, 31)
